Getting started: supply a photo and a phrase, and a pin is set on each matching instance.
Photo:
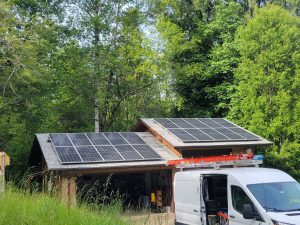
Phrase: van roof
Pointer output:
(246, 175)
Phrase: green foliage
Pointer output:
(53, 70)
(24, 208)
(20, 77)
(267, 97)
(63, 63)
(287, 159)
(201, 53)
(109, 67)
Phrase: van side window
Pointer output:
(239, 198)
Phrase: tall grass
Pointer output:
(22, 208)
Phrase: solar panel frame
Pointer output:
(113, 147)
(197, 130)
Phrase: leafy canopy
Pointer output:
(267, 98)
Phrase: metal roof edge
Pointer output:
(111, 166)
(228, 145)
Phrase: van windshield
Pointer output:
(277, 197)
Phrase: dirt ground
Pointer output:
(148, 218)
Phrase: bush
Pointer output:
(287, 159)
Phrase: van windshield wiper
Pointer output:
(293, 210)
(274, 210)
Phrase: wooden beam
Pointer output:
(117, 170)
(164, 141)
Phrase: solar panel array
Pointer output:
(101, 147)
(191, 130)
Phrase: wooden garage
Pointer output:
(136, 162)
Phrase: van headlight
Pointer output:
(280, 223)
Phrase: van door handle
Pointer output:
(195, 210)
(231, 216)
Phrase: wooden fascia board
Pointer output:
(162, 140)
(114, 170)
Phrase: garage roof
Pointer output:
(162, 129)
(43, 147)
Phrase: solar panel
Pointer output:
(205, 130)
(166, 123)
(146, 152)
(224, 123)
(181, 123)
(109, 153)
(196, 123)
(199, 134)
(101, 147)
(182, 134)
(128, 152)
(209, 122)
(244, 133)
(217, 136)
(60, 140)
(132, 138)
(68, 154)
(79, 139)
(88, 154)
(98, 139)
(115, 138)
(230, 134)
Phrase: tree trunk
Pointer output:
(96, 68)
(96, 107)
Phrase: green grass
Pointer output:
(17, 207)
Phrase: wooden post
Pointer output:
(68, 190)
(173, 202)
(4, 161)
(72, 191)
(2, 172)
(64, 189)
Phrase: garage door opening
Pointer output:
(136, 190)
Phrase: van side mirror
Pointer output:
(248, 212)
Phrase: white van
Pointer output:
(236, 196)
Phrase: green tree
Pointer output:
(108, 69)
(267, 98)
(28, 40)
(198, 46)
